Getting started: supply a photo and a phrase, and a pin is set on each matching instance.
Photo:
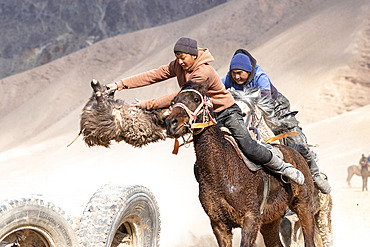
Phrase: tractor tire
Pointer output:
(119, 216)
(33, 222)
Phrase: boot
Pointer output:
(322, 184)
(278, 166)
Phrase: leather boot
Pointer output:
(322, 184)
(278, 166)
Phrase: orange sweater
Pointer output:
(199, 72)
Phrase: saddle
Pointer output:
(251, 165)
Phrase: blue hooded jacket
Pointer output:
(257, 77)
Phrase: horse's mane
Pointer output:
(254, 99)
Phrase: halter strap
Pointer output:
(202, 108)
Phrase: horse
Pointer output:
(260, 112)
(231, 194)
(353, 170)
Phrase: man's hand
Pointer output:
(111, 87)
(140, 103)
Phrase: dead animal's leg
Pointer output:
(270, 233)
(97, 89)
(323, 224)
(250, 230)
(95, 85)
(223, 234)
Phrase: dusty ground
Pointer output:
(303, 55)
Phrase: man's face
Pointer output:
(185, 60)
(239, 76)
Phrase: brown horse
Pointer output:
(231, 194)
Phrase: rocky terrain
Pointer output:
(36, 32)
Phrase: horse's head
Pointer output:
(189, 107)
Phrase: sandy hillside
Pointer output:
(303, 52)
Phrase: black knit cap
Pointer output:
(186, 45)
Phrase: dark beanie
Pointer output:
(186, 45)
(241, 61)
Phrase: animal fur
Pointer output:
(105, 119)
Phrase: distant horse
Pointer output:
(231, 194)
(353, 170)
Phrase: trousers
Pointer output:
(232, 118)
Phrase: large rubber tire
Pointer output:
(34, 222)
(120, 216)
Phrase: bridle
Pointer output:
(203, 108)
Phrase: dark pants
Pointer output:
(232, 119)
(288, 123)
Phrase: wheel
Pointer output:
(119, 216)
(34, 222)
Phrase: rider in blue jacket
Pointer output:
(242, 66)
(244, 72)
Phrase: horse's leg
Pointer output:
(365, 181)
(270, 233)
(349, 176)
(286, 231)
(223, 234)
(306, 220)
(249, 230)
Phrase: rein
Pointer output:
(203, 108)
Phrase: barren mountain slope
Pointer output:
(297, 61)
(37, 32)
